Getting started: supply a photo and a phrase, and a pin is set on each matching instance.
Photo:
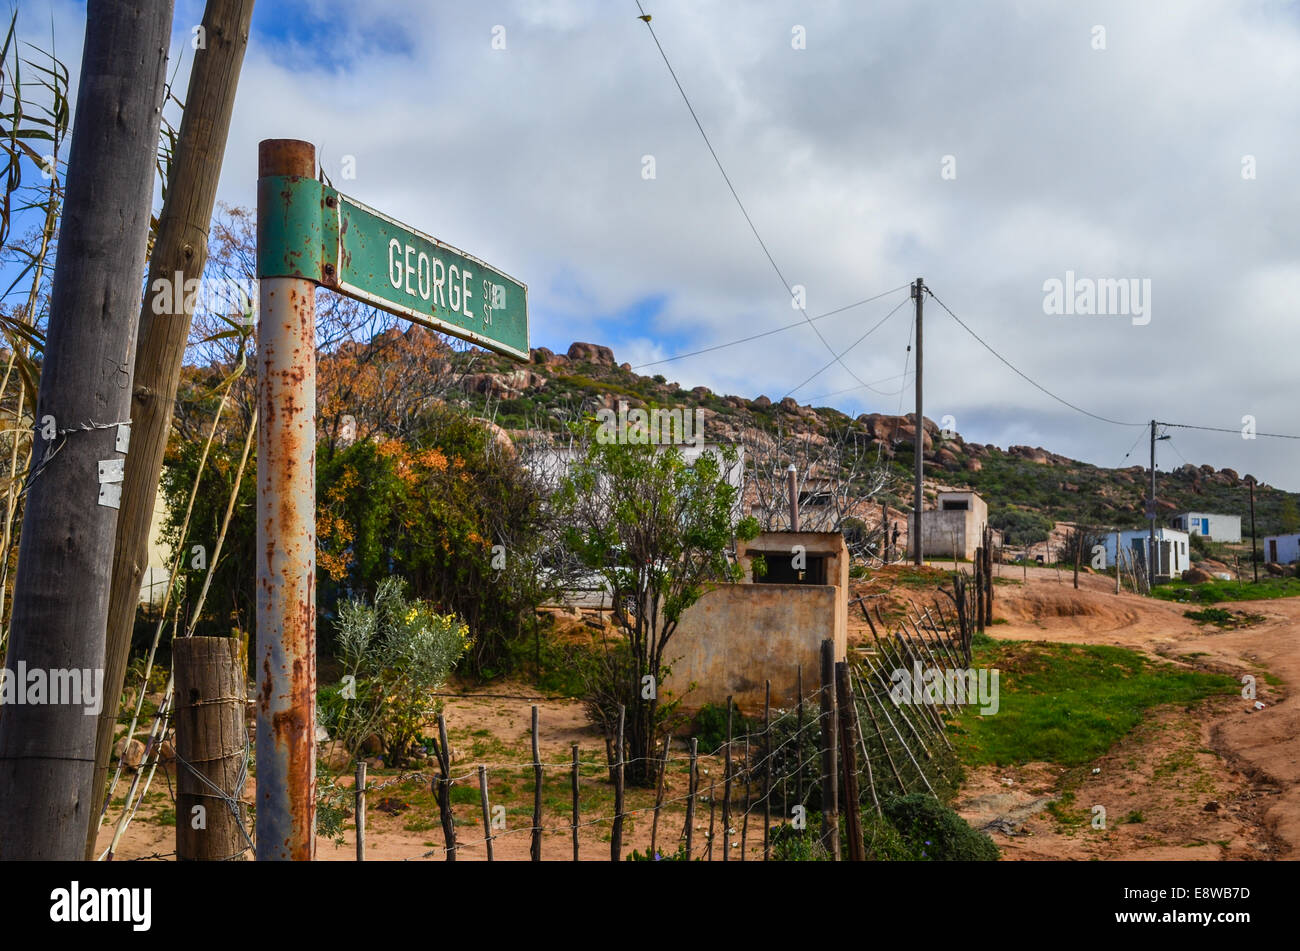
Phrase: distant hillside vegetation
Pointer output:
(1024, 486)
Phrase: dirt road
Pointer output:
(1187, 784)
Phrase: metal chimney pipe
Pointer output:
(792, 483)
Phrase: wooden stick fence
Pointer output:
(870, 747)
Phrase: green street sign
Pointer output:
(339, 243)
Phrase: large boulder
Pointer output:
(131, 752)
(591, 353)
(1197, 576)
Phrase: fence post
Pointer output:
(767, 766)
(575, 802)
(444, 790)
(535, 849)
(616, 835)
(211, 743)
(726, 789)
(659, 795)
(713, 812)
(487, 811)
(798, 738)
(360, 809)
(848, 736)
(693, 786)
(830, 788)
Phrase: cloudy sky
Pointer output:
(988, 147)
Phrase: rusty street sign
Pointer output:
(325, 237)
(308, 235)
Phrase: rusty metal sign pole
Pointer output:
(286, 518)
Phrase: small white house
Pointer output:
(1282, 549)
(1221, 528)
(1171, 547)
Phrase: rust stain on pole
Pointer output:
(286, 545)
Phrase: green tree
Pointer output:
(656, 529)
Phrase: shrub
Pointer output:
(936, 833)
(710, 726)
(395, 653)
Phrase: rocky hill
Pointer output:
(1025, 486)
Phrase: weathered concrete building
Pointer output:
(953, 528)
(738, 636)
(1172, 554)
(1220, 528)
(1281, 549)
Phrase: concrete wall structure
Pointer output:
(737, 636)
(956, 521)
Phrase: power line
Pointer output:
(1132, 447)
(734, 194)
(768, 333)
(877, 326)
(1025, 377)
(1219, 429)
(853, 389)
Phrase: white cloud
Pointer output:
(1117, 163)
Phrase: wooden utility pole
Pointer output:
(180, 253)
(60, 606)
(918, 500)
(1117, 586)
(1254, 552)
(1151, 543)
(211, 746)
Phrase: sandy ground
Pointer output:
(1192, 784)
(1213, 782)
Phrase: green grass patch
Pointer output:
(1214, 592)
(1221, 617)
(1068, 704)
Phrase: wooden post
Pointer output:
(919, 447)
(798, 737)
(659, 795)
(359, 809)
(830, 774)
(575, 802)
(616, 834)
(848, 753)
(487, 810)
(1117, 568)
(211, 745)
(726, 789)
(713, 811)
(744, 821)
(988, 575)
(767, 766)
(535, 849)
(180, 248)
(693, 787)
(444, 790)
(65, 554)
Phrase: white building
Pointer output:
(1221, 528)
(1171, 547)
(1282, 549)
